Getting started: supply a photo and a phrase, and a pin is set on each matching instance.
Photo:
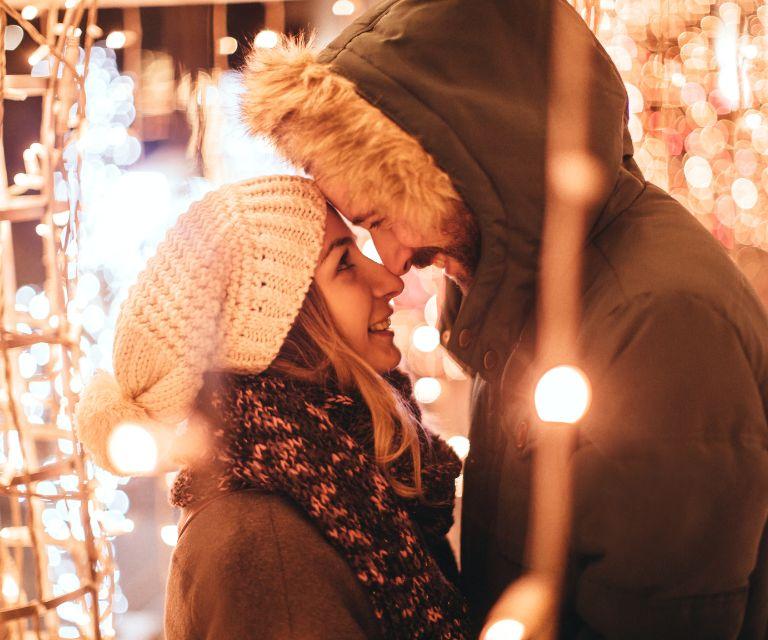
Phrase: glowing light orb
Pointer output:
(753, 120)
(431, 313)
(343, 8)
(698, 172)
(426, 338)
(29, 12)
(427, 390)
(39, 307)
(744, 193)
(132, 449)
(227, 46)
(562, 395)
(170, 534)
(460, 446)
(10, 588)
(266, 39)
(13, 36)
(88, 287)
(116, 40)
(505, 630)
(38, 54)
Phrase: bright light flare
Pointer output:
(170, 534)
(427, 390)
(29, 12)
(460, 446)
(266, 39)
(116, 40)
(227, 46)
(562, 395)
(132, 449)
(505, 630)
(426, 338)
(343, 8)
(38, 54)
(13, 36)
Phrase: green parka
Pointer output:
(671, 469)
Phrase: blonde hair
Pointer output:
(314, 350)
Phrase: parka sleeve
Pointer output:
(671, 475)
(268, 576)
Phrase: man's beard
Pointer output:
(464, 246)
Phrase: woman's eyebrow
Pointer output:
(338, 242)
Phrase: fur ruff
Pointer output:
(320, 123)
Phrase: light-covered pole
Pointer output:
(530, 606)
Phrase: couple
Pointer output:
(319, 505)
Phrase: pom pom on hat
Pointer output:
(222, 292)
(102, 408)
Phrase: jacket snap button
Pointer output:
(490, 359)
(521, 434)
(465, 337)
(446, 336)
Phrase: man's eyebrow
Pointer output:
(338, 242)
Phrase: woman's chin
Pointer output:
(384, 361)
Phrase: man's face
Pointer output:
(401, 247)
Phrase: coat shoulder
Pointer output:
(273, 573)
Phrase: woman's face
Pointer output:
(357, 291)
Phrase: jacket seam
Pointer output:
(613, 271)
(283, 581)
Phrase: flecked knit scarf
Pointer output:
(315, 446)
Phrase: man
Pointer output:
(426, 122)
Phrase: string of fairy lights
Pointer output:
(696, 73)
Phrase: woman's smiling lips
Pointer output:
(381, 327)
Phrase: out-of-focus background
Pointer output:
(156, 127)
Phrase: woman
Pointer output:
(318, 506)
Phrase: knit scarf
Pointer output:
(314, 445)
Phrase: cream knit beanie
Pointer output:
(221, 293)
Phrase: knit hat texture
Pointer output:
(221, 293)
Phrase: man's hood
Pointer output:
(421, 102)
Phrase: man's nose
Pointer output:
(394, 255)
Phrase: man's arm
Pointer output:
(671, 476)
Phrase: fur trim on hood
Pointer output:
(319, 123)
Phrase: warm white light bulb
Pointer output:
(29, 12)
(266, 39)
(427, 390)
(38, 54)
(426, 338)
(116, 40)
(507, 629)
(227, 46)
(562, 395)
(343, 8)
(10, 588)
(460, 446)
(170, 534)
(132, 449)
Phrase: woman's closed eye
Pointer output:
(345, 262)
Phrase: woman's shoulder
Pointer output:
(270, 564)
